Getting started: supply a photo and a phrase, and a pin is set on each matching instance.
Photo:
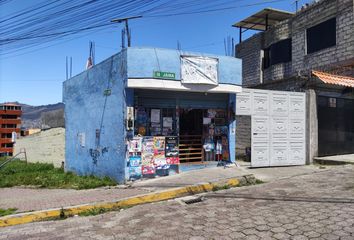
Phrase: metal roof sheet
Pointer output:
(258, 20)
(334, 79)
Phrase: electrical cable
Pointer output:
(54, 20)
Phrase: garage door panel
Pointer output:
(297, 128)
(297, 105)
(279, 127)
(279, 104)
(260, 154)
(297, 154)
(279, 154)
(260, 103)
(243, 103)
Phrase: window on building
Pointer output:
(8, 125)
(6, 135)
(279, 52)
(9, 117)
(321, 36)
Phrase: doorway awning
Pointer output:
(334, 79)
(173, 85)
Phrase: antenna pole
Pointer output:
(128, 32)
(71, 67)
(296, 5)
(66, 66)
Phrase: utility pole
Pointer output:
(127, 30)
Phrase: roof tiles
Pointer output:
(334, 79)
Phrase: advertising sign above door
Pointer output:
(199, 70)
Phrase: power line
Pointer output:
(54, 20)
(216, 10)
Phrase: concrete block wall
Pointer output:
(243, 135)
(280, 32)
(45, 147)
(277, 72)
(281, 70)
(250, 50)
(317, 13)
(250, 53)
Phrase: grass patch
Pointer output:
(100, 210)
(258, 181)
(95, 211)
(8, 211)
(218, 188)
(44, 175)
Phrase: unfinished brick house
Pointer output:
(309, 51)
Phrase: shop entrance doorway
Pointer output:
(191, 122)
(190, 138)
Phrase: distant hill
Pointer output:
(44, 116)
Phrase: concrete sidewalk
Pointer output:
(35, 199)
(32, 199)
(270, 174)
(335, 159)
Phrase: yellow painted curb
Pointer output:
(127, 202)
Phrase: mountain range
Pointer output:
(44, 116)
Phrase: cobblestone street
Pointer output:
(313, 206)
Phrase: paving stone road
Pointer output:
(313, 206)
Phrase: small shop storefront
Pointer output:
(174, 128)
(148, 112)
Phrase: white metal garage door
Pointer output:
(277, 126)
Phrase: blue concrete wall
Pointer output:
(232, 128)
(143, 61)
(88, 110)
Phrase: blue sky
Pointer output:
(36, 77)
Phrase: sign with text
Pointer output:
(165, 75)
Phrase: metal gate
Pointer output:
(277, 126)
(335, 126)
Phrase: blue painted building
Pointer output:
(151, 92)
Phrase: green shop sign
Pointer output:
(167, 75)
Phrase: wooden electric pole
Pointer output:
(127, 30)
